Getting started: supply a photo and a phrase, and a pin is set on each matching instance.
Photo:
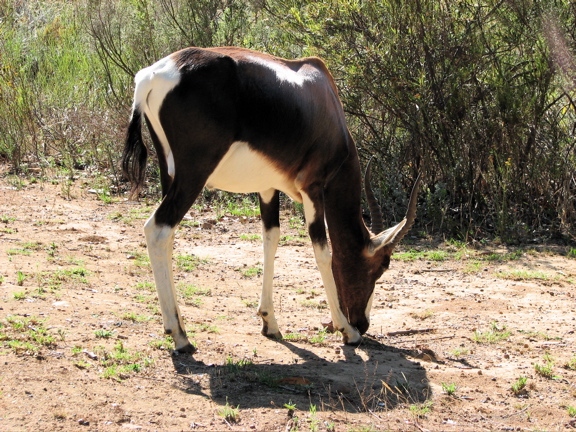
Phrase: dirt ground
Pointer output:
(453, 330)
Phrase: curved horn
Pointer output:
(410, 213)
(376, 220)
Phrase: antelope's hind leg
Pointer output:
(159, 231)
(270, 211)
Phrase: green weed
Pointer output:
(546, 369)
(495, 334)
(571, 364)
(103, 334)
(229, 413)
(189, 263)
(119, 363)
(519, 386)
(421, 410)
(250, 272)
(449, 389)
(20, 295)
(523, 275)
(250, 237)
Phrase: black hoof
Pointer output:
(274, 336)
(187, 349)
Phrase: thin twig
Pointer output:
(436, 270)
(410, 332)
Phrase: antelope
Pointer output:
(248, 122)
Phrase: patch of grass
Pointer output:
(571, 253)
(246, 207)
(229, 413)
(189, 263)
(518, 387)
(120, 363)
(146, 286)
(20, 278)
(457, 352)
(422, 315)
(473, 266)
(437, 255)
(25, 249)
(166, 343)
(449, 389)
(523, 275)
(250, 272)
(250, 237)
(207, 328)
(20, 295)
(495, 334)
(141, 259)
(251, 303)
(502, 257)
(311, 304)
(26, 335)
(410, 255)
(571, 411)
(103, 334)
(131, 216)
(6, 219)
(189, 223)
(319, 338)
(54, 279)
(571, 364)
(422, 409)
(235, 366)
(189, 290)
(295, 337)
(546, 369)
(132, 316)
(538, 335)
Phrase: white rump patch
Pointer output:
(283, 73)
(152, 85)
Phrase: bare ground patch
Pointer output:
(460, 339)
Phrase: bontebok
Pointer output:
(244, 121)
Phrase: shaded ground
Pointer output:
(81, 344)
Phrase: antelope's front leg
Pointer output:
(160, 241)
(270, 212)
(314, 214)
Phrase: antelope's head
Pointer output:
(355, 282)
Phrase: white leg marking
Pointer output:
(266, 307)
(160, 240)
(324, 261)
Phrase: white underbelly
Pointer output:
(242, 170)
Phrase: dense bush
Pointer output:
(477, 94)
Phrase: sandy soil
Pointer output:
(453, 328)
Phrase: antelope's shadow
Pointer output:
(379, 379)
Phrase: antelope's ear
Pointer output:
(384, 238)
